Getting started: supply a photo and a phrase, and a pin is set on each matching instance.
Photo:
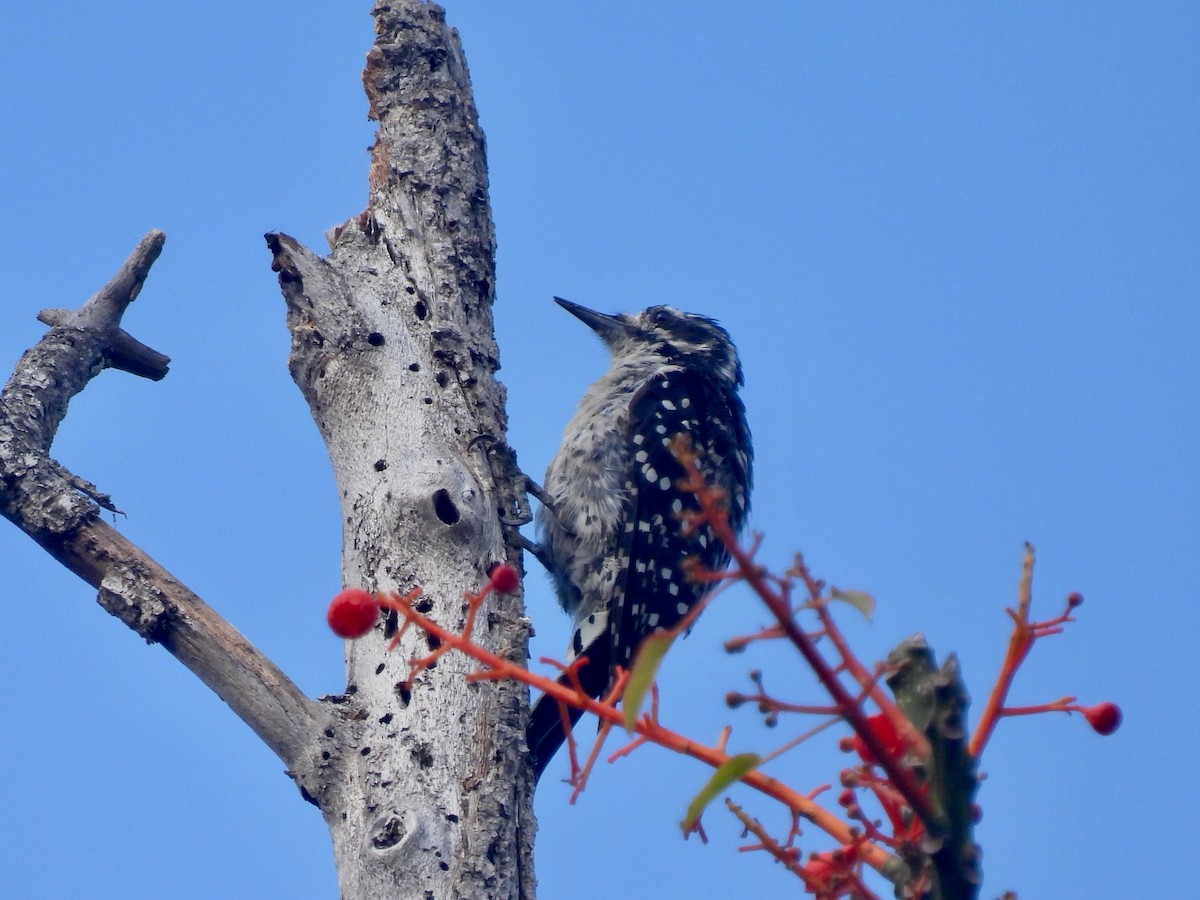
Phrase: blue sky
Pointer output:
(957, 247)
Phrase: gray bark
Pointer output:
(392, 347)
(426, 791)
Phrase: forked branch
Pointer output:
(61, 511)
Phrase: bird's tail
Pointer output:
(545, 733)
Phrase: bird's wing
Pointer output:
(656, 592)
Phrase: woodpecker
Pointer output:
(609, 524)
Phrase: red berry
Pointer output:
(1074, 599)
(1105, 718)
(505, 578)
(352, 613)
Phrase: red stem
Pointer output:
(1019, 644)
(899, 774)
(795, 802)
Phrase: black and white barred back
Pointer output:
(610, 530)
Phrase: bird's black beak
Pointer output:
(610, 328)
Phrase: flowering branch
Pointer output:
(647, 726)
(712, 514)
(1105, 718)
(915, 759)
(824, 878)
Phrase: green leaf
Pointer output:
(726, 774)
(642, 674)
(860, 600)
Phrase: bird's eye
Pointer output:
(661, 317)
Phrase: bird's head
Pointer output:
(686, 339)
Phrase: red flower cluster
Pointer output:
(887, 735)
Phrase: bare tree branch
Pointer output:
(102, 314)
(58, 509)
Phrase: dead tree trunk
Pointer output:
(426, 791)
(392, 346)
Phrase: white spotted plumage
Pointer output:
(610, 529)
